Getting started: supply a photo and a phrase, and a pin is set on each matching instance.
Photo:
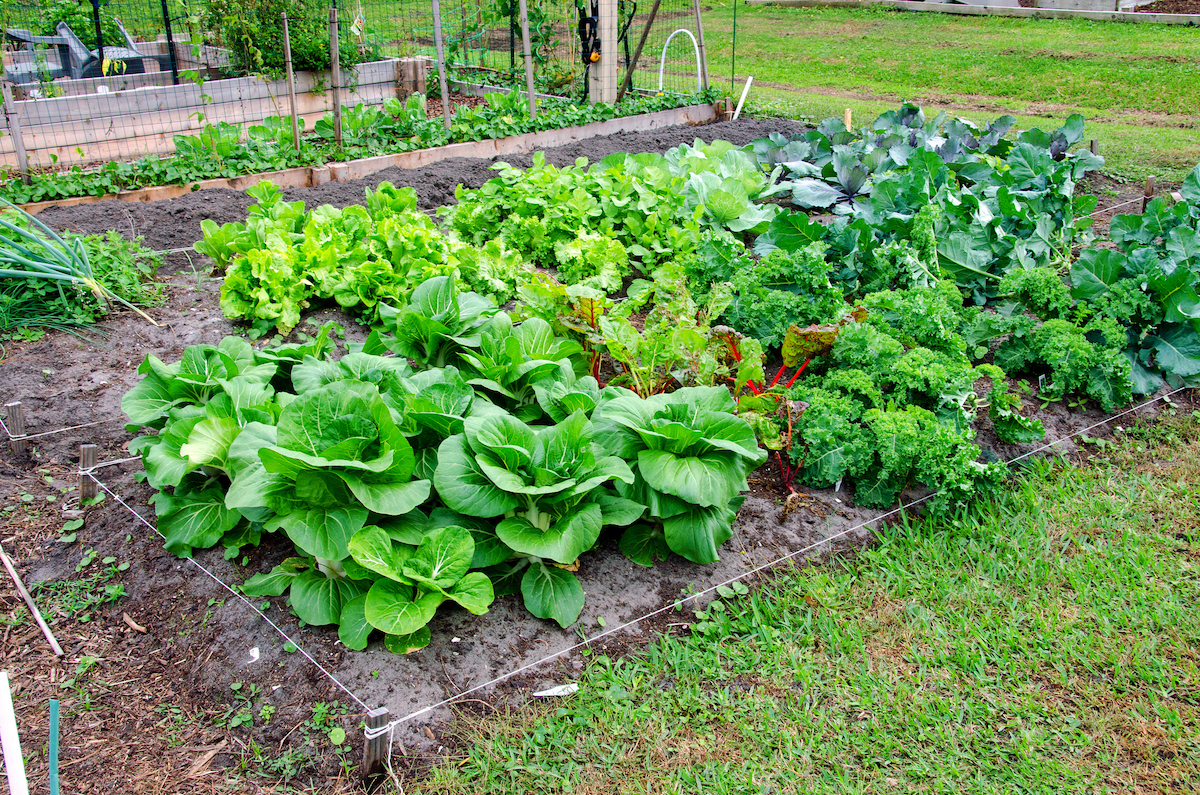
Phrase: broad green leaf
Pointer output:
(564, 542)
(275, 581)
(712, 479)
(151, 399)
(353, 627)
(551, 592)
(697, 534)
(387, 495)
(643, 544)
(318, 600)
(321, 533)
(193, 519)
(442, 558)
(208, 443)
(391, 608)
(1095, 272)
(1177, 349)
(373, 549)
(406, 644)
(618, 511)
(463, 486)
(473, 592)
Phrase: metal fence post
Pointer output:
(170, 44)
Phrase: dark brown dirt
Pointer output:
(151, 715)
(1171, 7)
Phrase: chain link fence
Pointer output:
(85, 89)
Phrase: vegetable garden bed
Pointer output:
(188, 632)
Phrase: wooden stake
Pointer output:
(848, 118)
(15, 419)
(87, 460)
(291, 80)
(441, 61)
(1147, 192)
(700, 37)
(529, 88)
(628, 81)
(32, 605)
(13, 115)
(375, 750)
(335, 71)
(1094, 146)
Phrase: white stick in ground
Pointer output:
(742, 101)
(13, 761)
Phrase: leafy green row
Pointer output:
(222, 150)
(404, 488)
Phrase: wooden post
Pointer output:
(848, 118)
(700, 38)
(441, 61)
(87, 460)
(15, 419)
(602, 75)
(1147, 192)
(13, 115)
(628, 81)
(375, 750)
(335, 70)
(529, 87)
(291, 80)
(1094, 146)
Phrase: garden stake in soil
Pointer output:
(87, 462)
(32, 605)
(16, 427)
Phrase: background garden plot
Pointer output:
(222, 62)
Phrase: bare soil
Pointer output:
(1171, 7)
(145, 683)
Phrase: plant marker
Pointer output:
(13, 761)
(742, 101)
(54, 746)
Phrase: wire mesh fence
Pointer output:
(85, 89)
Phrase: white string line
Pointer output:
(103, 464)
(24, 436)
(244, 600)
(389, 728)
(1114, 207)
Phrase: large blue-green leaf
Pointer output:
(1095, 272)
(1177, 349)
(643, 544)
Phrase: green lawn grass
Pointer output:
(1138, 85)
(1044, 641)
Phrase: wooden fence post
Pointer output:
(602, 75)
(87, 460)
(12, 115)
(291, 80)
(627, 82)
(1147, 192)
(529, 86)
(376, 748)
(335, 71)
(440, 46)
(15, 419)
